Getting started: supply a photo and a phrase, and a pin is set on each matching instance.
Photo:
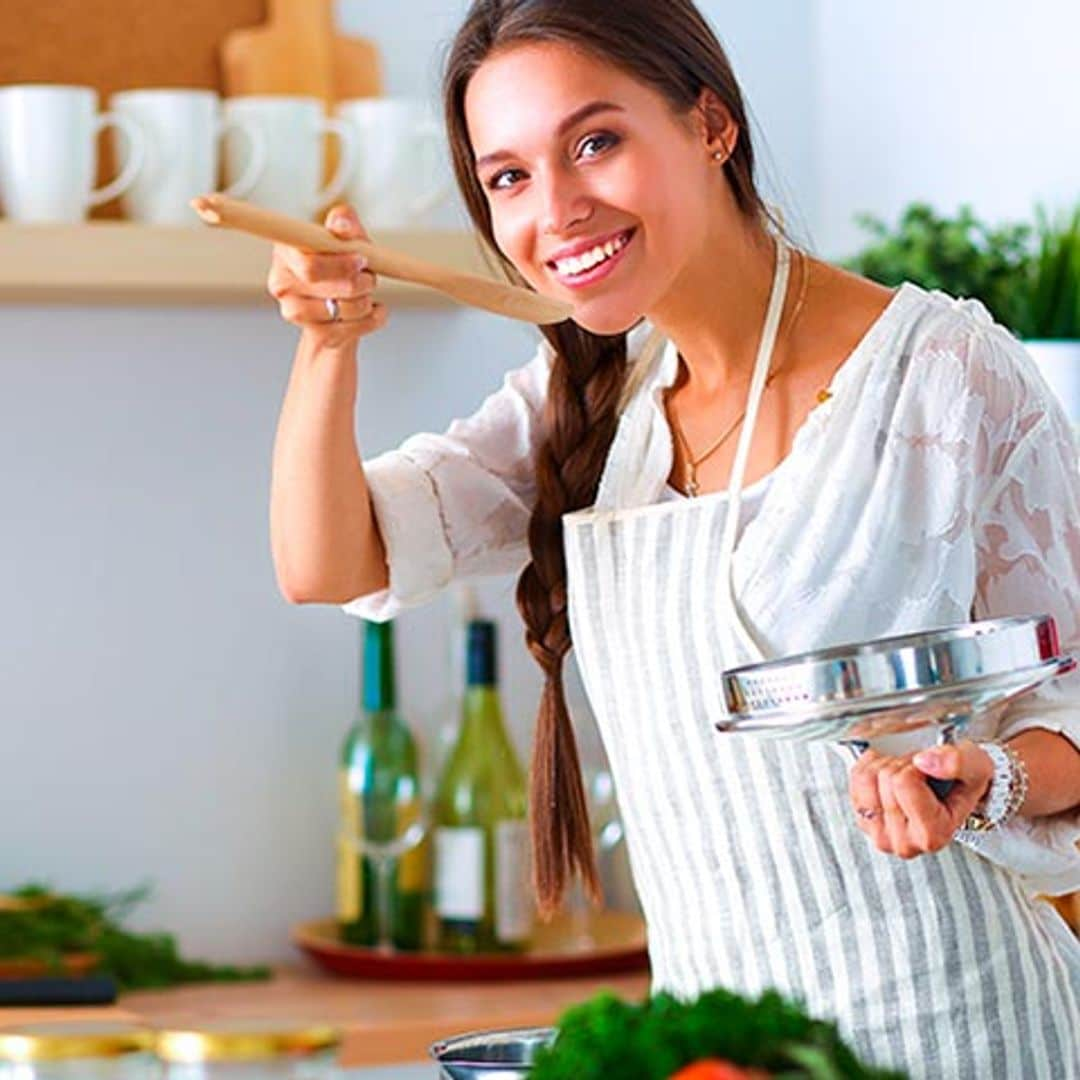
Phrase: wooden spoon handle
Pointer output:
(466, 288)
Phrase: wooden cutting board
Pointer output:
(299, 51)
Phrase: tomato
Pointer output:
(714, 1069)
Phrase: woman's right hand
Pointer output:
(302, 282)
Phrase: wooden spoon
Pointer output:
(469, 289)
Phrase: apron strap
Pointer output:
(738, 624)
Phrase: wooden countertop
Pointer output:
(386, 1022)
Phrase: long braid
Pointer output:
(671, 47)
(586, 379)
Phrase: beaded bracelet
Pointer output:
(1008, 790)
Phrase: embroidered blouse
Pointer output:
(938, 483)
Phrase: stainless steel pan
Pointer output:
(491, 1055)
(855, 693)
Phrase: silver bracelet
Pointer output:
(1006, 794)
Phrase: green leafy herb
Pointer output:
(961, 256)
(41, 925)
(608, 1037)
(1052, 306)
(1028, 277)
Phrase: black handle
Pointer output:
(57, 990)
(940, 788)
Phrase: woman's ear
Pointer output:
(716, 126)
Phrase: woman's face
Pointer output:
(599, 194)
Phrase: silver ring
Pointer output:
(333, 309)
(867, 815)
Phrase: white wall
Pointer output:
(166, 716)
(967, 101)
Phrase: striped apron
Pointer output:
(745, 855)
(748, 864)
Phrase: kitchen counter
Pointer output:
(386, 1023)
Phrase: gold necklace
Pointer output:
(691, 464)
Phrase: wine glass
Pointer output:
(392, 821)
(607, 833)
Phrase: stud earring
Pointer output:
(718, 155)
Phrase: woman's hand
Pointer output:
(897, 808)
(302, 283)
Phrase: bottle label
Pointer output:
(350, 894)
(513, 894)
(459, 873)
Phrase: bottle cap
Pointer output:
(379, 691)
(481, 661)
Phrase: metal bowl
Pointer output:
(491, 1055)
(858, 692)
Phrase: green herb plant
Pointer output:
(45, 926)
(607, 1037)
(1050, 308)
(961, 256)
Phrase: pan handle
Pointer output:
(940, 788)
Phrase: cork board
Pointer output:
(119, 45)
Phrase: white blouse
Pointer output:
(948, 469)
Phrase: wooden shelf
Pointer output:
(125, 263)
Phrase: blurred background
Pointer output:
(166, 715)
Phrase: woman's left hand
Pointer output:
(897, 808)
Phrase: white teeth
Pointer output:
(578, 264)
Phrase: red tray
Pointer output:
(609, 942)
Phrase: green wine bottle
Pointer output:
(483, 900)
(383, 855)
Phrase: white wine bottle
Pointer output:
(483, 899)
(383, 860)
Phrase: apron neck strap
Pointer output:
(736, 621)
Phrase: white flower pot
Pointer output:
(1059, 362)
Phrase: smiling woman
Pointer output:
(898, 466)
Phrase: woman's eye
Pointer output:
(596, 143)
(503, 179)
(589, 147)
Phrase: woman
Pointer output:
(732, 451)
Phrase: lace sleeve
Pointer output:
(457, 505)
(1027, 535)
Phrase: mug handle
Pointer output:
(430, 135)
(256, 140)
(136, 156)
(346, 160)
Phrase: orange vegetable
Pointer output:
(713, 1069)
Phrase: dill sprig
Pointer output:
(38, 924)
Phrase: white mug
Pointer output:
(399, 175)
(48, 153)
(183, 130)
(292, 129)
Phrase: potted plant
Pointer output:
(1028, 278)
(1048, 319)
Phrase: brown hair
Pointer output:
(668, 45)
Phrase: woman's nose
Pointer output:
(564, 203)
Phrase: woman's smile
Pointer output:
(586, 263)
